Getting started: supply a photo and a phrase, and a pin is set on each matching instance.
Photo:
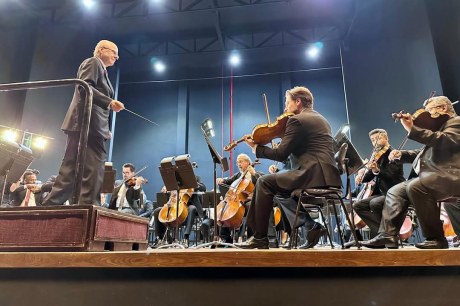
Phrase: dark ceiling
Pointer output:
(164, 27)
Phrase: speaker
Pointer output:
(13, 157)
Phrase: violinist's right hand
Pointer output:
(163, 189)
(394, 155)
(219, 181)
(116, 106)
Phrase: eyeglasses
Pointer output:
(113, 51)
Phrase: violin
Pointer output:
(175, 212)
(132, 181)
(424, 119)
(264, 133)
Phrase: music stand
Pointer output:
(177, 173)
(354, 162)
(206, 129)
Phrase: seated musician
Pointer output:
(308, 143)
(27, 192)
(195, 209)
(244, 163)
(438, 169)
(127, 193)
(379, 176)
(453, 211)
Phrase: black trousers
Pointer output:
(397, 201)
(262, 204)
(370, 210)
(93, 172)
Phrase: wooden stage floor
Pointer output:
(322, 257)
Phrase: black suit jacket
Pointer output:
(308, 143)
(133, 197)
(92, 71)
(440, 160)
(19, 194)
(390, 174)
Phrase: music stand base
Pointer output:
(174, 245)
(215, 244)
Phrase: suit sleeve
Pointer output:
(450, 136)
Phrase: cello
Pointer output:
(168, 213)
(230, 210)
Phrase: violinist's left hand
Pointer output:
(249, 142)
(407, 122)
(373, 166)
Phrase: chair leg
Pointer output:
(350, 224)
(337, 221)
(293, 227)
(327, 228)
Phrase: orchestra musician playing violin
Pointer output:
(308, 143)
(437, 176)
(243, 161)
(379, 176)
(127, 195)
(28, 192)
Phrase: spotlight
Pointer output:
(10, 135)
(89, 3)
(313, 50)
(159, 66)
(39, 143)
(234, 59)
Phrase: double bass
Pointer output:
(172, 216)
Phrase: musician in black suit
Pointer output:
(127, 196)
(28, 192)
(381, 175)
(438, 169)
(94, 71)
(308, 143)
(195, 209)
(243, 162)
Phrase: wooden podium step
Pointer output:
(71, 228)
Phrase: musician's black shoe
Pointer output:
(382, 241)
(433, 244)
(254, 243)
(313, 236)
(273, 243)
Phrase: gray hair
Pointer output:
(441, 101)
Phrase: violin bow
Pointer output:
(142, 117)
(135, 174)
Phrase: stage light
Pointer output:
(234, 59)
(89, 3)
(207, 127)
(39, 143)
(10, 135)
(159, 66)
(314, 50)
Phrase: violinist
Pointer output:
(437, 176)
(28, 192)
(379, 176)
(243, 161)
(308, 143)
(127, 195)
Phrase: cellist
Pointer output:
(244, 164)
(380, 175)
(308, 143)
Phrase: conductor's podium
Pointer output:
(71, 228)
